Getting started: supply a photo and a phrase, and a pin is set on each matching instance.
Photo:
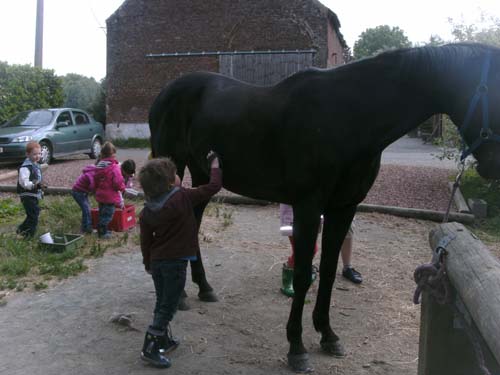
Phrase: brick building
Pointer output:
(275, 38)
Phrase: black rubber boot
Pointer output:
(151, 349)
(169, 343)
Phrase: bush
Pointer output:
(474, 186)
(24, 87)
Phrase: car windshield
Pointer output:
(30, 118)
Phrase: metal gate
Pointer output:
(264, 67)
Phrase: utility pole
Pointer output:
(39, 34)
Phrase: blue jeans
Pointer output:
(28, 226)
(106, 212)
(169, 277)
(83, 201)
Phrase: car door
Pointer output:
(85, 130)
(66, 138)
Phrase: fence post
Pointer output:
(445, 347)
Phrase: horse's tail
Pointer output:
(169, 121)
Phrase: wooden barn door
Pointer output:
(264, 69)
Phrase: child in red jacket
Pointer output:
(109, 184)
(169, 239)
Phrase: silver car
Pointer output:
(60, 132)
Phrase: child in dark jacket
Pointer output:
(80, 192)
(109, 184)
(128, 172)
(29, 188)
(169, 239)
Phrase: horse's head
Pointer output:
(479, 119)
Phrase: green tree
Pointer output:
(435, 40)
(98, 107)
(378, 39)
(80, 91)
(485, 30)
(24, 87)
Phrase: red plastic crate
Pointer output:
(122, 219)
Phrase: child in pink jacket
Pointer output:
(109, 184)
(80, 192)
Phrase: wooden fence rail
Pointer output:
(446, 347)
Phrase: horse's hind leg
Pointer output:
(305, 231)
(335, 227)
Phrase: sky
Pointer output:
(74, 39)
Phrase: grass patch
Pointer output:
(474, 186)
(9, 208)
(40, 285)
(59, 214)
(13, 266)
(132, 142)
(24, 265)
(61, 269)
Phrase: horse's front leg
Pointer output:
(206, 292)
(198, 275)
(336, 224)
(305, 231)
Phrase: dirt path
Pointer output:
(66, 329)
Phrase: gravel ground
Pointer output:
(396, 185)
(412, 187)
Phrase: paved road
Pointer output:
(413, 151)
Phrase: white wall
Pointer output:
(127, 130)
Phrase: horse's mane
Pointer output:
(437, 60)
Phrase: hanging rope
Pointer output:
(432, 278)
(456, 184)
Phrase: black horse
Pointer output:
(314, 141)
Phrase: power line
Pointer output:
(103, 28)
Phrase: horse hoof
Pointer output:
(183, 305)
(208, 296)
(334, 348)
(300, 363)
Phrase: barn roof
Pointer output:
(332, 17)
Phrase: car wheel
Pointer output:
(46, 152)
(95, 149)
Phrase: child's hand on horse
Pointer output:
(213, 159)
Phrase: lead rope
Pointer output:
(456, 184)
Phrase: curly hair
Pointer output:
(157, 176)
